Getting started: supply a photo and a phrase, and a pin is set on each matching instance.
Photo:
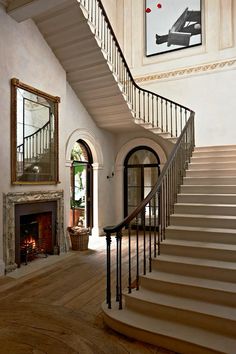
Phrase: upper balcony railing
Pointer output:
(146, 106)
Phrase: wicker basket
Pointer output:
(79, 238)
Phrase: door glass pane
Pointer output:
(150, 179)
(142, 157)
(134, 188)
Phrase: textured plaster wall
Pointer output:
(24, 54)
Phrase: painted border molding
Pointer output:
(187, 71)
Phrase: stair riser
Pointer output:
(205, 209)
(183, 316)
(209, 181)
(212, 166)
(193, 270)
(176, 220)
(198, 252)
(189, 291)
(207, 199)
(210, 173)
(201, 236)
(164, 341)
(208, 189)
(216, 159)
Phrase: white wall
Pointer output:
(24, 54)
(201, 77)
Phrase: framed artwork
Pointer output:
(172, 25)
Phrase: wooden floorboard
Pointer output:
(58, 310)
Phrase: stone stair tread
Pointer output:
(210, 194)
(198, 228)
(183, 303)
(198, 261)
(205, 204)
(226, 217)
(215, 169)
(216, 148)
(181, 279)
(178, 331)
(207, 186)
(200, 244)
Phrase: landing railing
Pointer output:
(148, 108)
(146, 225)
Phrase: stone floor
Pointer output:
(54, 307)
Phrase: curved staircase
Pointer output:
(188, 302)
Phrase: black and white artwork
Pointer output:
(172, 25)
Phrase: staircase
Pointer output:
(188, 302)
(81, 37)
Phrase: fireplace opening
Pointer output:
(35, 236)
(35, 231)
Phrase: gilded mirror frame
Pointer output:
(34, 135)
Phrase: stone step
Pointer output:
(201, 234)
(213, 153)
(212, 291)
(205, 250)
(216, 180)
(171, 335)
(212, 221)
(209, 159)
(207, 209)
(208, 189)
(214, 317)
(212, 165)
(207, 198)
(196, 267)
(215, 148)
(212, 173)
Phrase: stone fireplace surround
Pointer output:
(9, 202)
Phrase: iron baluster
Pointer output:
(108, 290)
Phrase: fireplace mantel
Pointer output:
(9, 202)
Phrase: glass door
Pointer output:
(141, 173)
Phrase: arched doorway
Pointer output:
(141, 171)
(81, 202)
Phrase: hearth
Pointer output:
(33, 226)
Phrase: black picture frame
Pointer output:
(172, 25)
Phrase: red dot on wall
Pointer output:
(148, 10)
(159, 6)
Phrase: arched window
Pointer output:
(81, 184)
(141, 170)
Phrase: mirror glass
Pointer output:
(34, 135)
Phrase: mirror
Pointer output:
(34, 134)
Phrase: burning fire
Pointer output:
(29, 241)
